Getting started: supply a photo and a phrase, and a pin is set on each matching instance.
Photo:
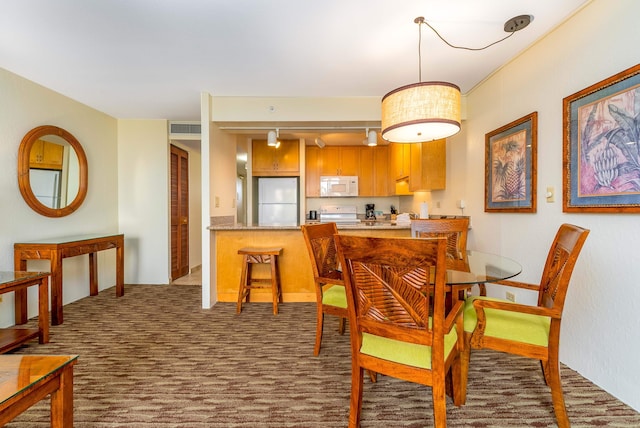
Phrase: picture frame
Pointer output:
(601, 146)
(511, 166)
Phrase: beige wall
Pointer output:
(24, 106)
(600, 313)
(143, 199)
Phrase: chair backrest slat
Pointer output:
(454, 229)
(322, 250)
(558, 268)
(395, 286)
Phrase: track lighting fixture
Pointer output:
(319, 142)
(372, 138)
(272, 138)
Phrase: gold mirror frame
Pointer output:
(23, 171)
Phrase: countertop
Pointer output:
(376, 225)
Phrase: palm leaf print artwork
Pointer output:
(609, 149)
(508, 167)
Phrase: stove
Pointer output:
(340, 214)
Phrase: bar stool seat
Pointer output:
(253, 256)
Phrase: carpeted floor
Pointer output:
(155, 358)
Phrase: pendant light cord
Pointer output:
(461, 47)
(420, 20)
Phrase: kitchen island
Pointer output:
(295, 266)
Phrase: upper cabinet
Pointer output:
(312, 171)
(46, 155)
(417, 167)
(373, 177)
(369, 164)
(400, 159)
(428, 166)
(339, 160)
(268, 161)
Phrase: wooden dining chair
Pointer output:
(455, 230)
(398, 328)
(329, 285)
(529, 331)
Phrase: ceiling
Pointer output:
(151, 59)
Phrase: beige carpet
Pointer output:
(155, 359)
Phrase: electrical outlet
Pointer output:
(511, 296)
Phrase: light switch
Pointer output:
(550, 194)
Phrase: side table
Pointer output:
(16, 281)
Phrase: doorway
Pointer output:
(179, 212)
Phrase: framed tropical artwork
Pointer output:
(601, 146)
(510, 166)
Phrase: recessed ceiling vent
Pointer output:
(185, 130)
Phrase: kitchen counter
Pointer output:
(295, 267)
(365, 225)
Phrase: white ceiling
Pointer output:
(151, 59)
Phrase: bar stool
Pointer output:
(247, 283)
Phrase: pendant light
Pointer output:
(427, 111)
(422, 111)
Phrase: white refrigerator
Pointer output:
(278, 201)
(45, 185)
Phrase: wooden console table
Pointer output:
(56, 250)
(19, 281)
(27, 379)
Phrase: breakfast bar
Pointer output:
(295, 268)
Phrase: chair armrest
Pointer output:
(453, 316)
(477, 337)
(518, 284)
(515, 307)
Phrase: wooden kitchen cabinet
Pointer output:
(428, 166)
(46, 155)
(312, 171)
(400, 155)
(373, 174)
(270, 161)
(399, 168)
(339, 160)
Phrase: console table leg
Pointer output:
(93, 274)
(56, 289)
(120, 269)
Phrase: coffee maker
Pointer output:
(369, 211)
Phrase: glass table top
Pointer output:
(18, 372)
(479, 267)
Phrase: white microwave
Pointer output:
(338, 186)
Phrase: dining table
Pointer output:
(479, 267)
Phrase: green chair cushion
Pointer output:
(526, 328)
(335, 296)
(397, 351)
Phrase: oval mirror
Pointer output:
(52, 171)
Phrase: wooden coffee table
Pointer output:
(27, 379)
